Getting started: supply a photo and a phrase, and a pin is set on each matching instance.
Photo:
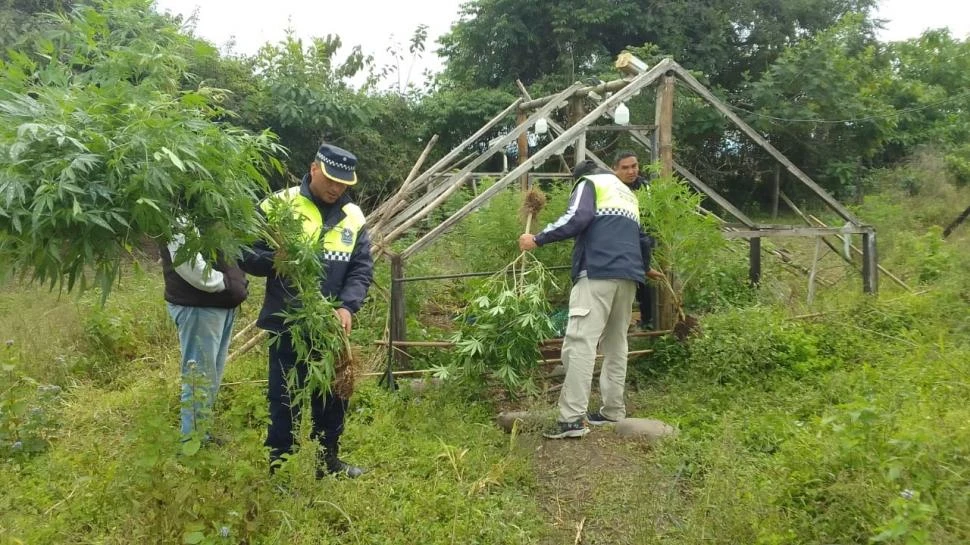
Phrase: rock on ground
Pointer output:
(644, 429)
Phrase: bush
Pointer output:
(741, 345)
(27, 409)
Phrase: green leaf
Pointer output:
(193, 538)
(192, 446)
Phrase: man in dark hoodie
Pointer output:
(202, 301)
(627, 169)
(610, 257)
(329, 215)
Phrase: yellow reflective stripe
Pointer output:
(613, 197)
(338, 243)
(312, 220)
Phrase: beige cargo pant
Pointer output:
(599, 313)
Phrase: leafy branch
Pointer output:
(318, 337)
(686, 241)
(503, 323)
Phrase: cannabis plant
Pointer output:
(687, 241)
(318, 337)
(503, 324)
(102, 150)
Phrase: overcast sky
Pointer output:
(379, 24)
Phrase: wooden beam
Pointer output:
(618, 128)
(393, 235)
(460, 148)
(775, 188)
(398, 318)
(553, 147)
(665, 125)
(956, 223)
(576, 112)
(608, 87)
(629, 64)
(523, 149)
(792, 232)
(760, 140)
(870, 261)
(402, 216)
(391, 205)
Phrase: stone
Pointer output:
(644, 429)
(528, 420)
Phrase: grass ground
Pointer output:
(849, 426)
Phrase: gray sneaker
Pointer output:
(562, 430)
(598, 419)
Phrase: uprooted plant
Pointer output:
(318, 337)
(506, 318)
(101, 149)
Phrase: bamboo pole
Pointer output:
(244, 332)
(630, 354)
(556, 145)
(393, 235)
(391, 205)
(248, 346)
(698, 88)
(607, 87)
(858, 252)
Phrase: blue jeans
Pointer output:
(204, 336)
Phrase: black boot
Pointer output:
(328, 463)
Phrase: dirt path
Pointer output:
(604, 482)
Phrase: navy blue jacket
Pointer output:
(619, 250)
(347, 281)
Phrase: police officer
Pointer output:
(330, 215)
(611, 255)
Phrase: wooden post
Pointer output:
(576, 113)
(523, 145)
(398, 323)
(664, 151)
(654, 144)
(667, 311)
(665, 124)
(870, 262)
(776, 189)
(811, 275)
(754, 269)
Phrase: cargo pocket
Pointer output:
(576, 315)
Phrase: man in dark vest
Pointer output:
(611, 255)
(331, 217)
(627, 169)
(202, 301)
